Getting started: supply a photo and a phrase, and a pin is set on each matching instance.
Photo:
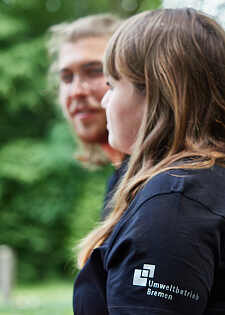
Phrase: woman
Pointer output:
(162, 250)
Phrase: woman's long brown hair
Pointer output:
(176, 57)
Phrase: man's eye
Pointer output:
(95, 71)
(66, 77)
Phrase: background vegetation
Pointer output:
(40, 299)
(47, 201)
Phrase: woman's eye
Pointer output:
(109, 85)
(141, 87)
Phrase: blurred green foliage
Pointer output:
(47, 201)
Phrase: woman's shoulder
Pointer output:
(206, 186)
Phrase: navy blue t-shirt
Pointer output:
(166, 256)
(112, 184)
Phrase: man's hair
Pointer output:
(99, 25)
(176, 57)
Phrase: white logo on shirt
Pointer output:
(141, 275)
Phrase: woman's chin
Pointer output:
(117, 146)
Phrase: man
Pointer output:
(77, 49)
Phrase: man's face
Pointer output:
(82, 86)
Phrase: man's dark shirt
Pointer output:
(112, 184)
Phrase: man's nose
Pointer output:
(79, 87)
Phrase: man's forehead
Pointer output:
(83, 52)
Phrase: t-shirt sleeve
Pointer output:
(163, 259)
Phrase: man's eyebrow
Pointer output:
(84, 66)
(92, 64)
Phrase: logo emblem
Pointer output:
(141, 275)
